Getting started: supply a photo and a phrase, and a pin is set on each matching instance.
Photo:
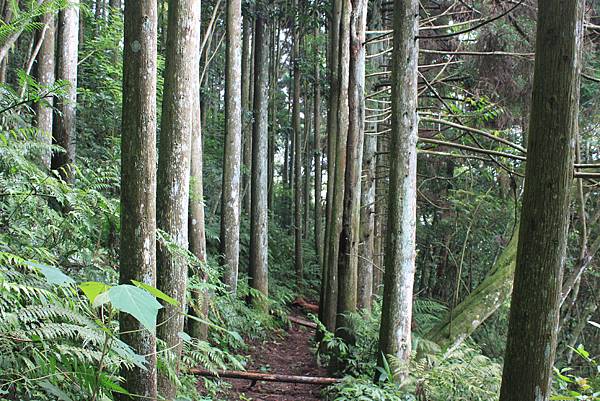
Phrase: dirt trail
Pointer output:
(288, 353)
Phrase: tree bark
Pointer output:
(335, 167)
(480, 304)
(196, 221)
(179, 118)
(64, 130)
(318, 210)
(273, 112)
(138, 184)
(534, 315)
(247, 100)
(230, 201)
(259, 255)
(44, 69)
(367, 225)
(349, 235)
(396, 315)
(298, 257)
(269, 377)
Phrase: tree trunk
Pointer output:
(367, 225)
(45, 75)
(179, 118)
(349, 236)
(138, 184)
(66, 69)
(396, 315)
(273, 112)
(196, 221)
(317, 154)
(259, 270)
(230, 201)
(533, 322)
(247, 100)
(298, 258)
(480, 304)
(335, 168)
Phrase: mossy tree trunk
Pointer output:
(64, 131)
(349, 235)
(328, 295)
(259, 255)
(541, 252)
(400, 252)
(196, 222)
(318, 210)
(44, 71)
(297, 148)
(230, 201)
(480, 304)
(138, 184)
(179, 116)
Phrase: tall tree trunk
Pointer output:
(306, 151)
(45, 75)
(396, 315)
(533, 322)
(138, 184)
(230, 201)
(247, 100)
(196, 221)
(273, 112)
(66, 69)
(317, 153)
(367, 225)
(179, 116)
(349, 235)
(335, 167)
(298, 258)
(259, 270)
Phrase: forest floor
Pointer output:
(289, 353)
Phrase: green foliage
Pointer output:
(570, 385)
(465, 374)
(53, 345)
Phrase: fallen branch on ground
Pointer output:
(302, 322)
(268, 377)
(301, 302)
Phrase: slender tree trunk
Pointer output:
(196, 222)
(259, 271)
(64, 131)
(317, 153)
(396, 315)
(247, 100)
(138, 184)
(340, 162)
(298, 258)
(179, 118)
(335, 165)
(45, 75)
(349, 235)
(230, 201)
(273, 112)
(533, 322)
(367, 225)
(306, 151)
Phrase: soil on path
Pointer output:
(286, 353)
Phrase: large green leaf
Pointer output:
(92, 289)
(137, 302)
(52, 274)
(156, 292)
